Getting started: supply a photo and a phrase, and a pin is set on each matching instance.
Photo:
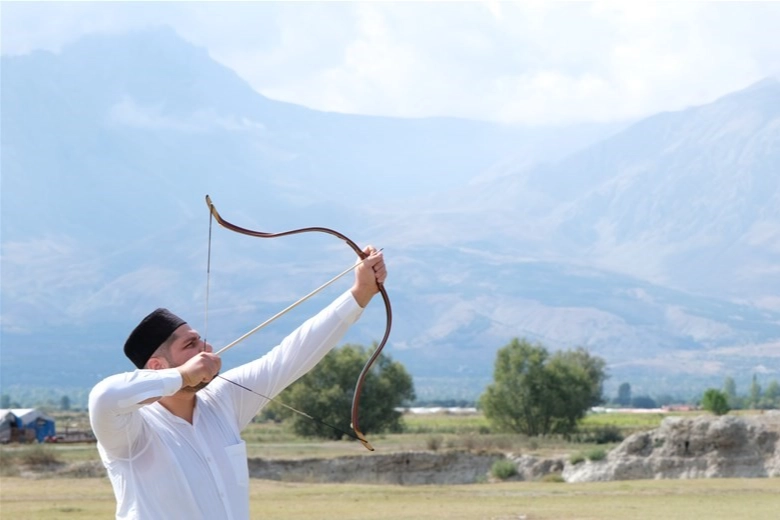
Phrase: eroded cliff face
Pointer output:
(409, 468)
(701, 447)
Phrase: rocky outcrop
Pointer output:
(535, 468)
(701, 447)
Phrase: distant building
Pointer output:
(20, 424)
(680, 408)
(7, 422)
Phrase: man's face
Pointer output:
(187, 343)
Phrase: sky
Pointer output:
(527, 62)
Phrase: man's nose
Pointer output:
(207, 347)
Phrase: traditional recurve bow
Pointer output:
(363, 373)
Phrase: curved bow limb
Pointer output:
(363, 373)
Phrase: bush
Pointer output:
(553, 477)
(576, 458)
(8, 464)
(596, 454)
(469, 442)
(607, 434)
(434, 442)
(715, 401)
(38, 456)
(503, 469)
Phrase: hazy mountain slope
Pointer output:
(492, 232)
(147, 113)
(688, 199)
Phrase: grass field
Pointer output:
(749, 499)
(90, 498)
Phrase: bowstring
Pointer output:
(208, 282)
(303, 414)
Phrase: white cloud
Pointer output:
(533, 62)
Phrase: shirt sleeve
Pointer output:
(115, 401)
(297, 354)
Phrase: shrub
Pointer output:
(434, 442)
(553, 477)
(715, 401)
(38, 456)
(576, 458)
(607, 434)
(8, 464)
(502, 443)
(503, 469)
(470, 442)
(596, 454)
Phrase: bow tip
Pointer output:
(362, 438)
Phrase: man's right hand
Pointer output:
(201, 368)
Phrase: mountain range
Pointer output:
(653, 243)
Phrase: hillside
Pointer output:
(652, 244)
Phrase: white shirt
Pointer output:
(161, 466)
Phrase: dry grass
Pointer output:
(754, 499)
(90, 498)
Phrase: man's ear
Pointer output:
(156, 363)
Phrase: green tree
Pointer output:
(595, 372)
(5, 401)
(772, 394)
(65, 403)
(730, 389)
(577, 378)
(326, 394)
(624, 395)
(715, 401)
(755, 394)
(536, 394)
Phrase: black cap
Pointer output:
(150, 334)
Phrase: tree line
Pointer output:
(534, 392)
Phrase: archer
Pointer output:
(169, 433)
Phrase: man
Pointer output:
(169, 433)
